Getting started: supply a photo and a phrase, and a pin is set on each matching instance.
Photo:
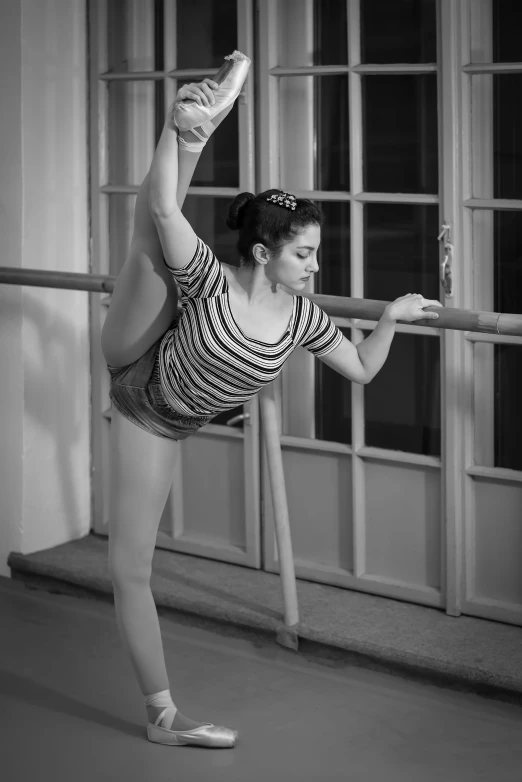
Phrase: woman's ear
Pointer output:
(260, 253)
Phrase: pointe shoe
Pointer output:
(206, 735)
(189, 115)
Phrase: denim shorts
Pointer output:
(136, 392)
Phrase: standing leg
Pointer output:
(142, 467)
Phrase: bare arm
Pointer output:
(170, 175)
(360, 364)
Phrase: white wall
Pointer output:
(44, 333)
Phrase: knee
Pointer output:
(127, 570)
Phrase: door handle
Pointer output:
(446, 270)
(237, 418)
(446, 266)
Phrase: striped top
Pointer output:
(207, 364)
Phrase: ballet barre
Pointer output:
(335, 306)
(509, 324)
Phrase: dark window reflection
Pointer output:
(507, 119)
(508, 417)
(401, 252)
(332, 133)
(333, 277)
(398, 31)
(507, 23)
(402, 402)
(333, 399)
(330, 32)
(218, 165)
(508, 261)
(207, 216)
(400, 134)
(206, 32)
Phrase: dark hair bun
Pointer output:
(236, 212)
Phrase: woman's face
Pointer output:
(297, 259)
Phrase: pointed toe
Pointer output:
(187, 114)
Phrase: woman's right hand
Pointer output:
(201, 92)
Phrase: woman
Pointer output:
(172, 373)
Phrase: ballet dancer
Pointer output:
(173, 371)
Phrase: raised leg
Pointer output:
(144, 302)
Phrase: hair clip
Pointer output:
(283, 199)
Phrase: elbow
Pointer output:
(160, 210)
(161, 207)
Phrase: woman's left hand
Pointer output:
(409, 308)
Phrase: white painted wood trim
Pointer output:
(385, 455)
(505, 204)
(322, 446)
(496, 339)
(495, 474)
(451, 521)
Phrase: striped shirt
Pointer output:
(206, 363)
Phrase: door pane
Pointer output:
(496, 127)
(134, 36)
(312, 32)
(206, 32)
(315, 147)
(132, 130)
(121, 226)
(400, 134)
(207, 216)
(502, 21)
(398, 31)
(333, 403)
(497, 414)
(330, 32)
(333, 277)
(218, 165)
(401, 252)
(402, 403)
(497, 260)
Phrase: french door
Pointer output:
(400, 118)
(142, 51)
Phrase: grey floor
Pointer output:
(70, 708)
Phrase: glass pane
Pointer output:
(496, 131)
(498, 391)
(121, 226)
(333, 277)
(314, 133)
(207, 216)
(400, 134)
(402, 403)
(401, 251)
(206, 32)
(333, 403)
(497, 266)
(330, 32)
(134, 36)
(312, 33)
(401, 31)
(495, 29)
(218, 165)
(132, 131)
(507, 141)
